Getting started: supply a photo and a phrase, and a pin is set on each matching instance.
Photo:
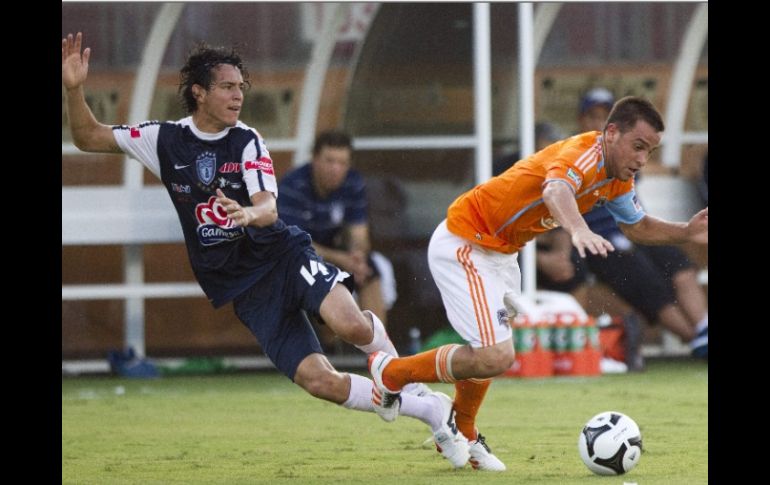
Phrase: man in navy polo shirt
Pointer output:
(327, 198)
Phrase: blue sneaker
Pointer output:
(128, 364)
(700, 345)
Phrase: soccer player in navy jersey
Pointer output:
(219, 175)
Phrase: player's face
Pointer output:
(330, 167)
(220, 105)
(628, 152)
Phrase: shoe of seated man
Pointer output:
(482, 457)
(700, 345)
(449, 441)
(386, 402)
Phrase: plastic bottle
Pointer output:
(415, 344)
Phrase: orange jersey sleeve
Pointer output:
(507, 211)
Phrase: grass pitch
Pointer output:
(260, 428)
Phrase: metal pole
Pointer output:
(482, 91)
(133, 264)
(527, 127)
(681, 84)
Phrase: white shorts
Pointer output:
(473, 282)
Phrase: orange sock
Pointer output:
(469, 394)
(430, 366)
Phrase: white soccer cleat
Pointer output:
(417, 389)
(482, 457)
(386, 403)
(449, 441)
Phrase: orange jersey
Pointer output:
(507, 211)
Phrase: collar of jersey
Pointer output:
(204, 136)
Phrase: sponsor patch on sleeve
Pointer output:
(575, 177)
(135, 133)
(264, 163)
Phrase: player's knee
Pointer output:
(324, 384)
(493, 361)
(357, 329)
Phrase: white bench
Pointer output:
(115, 215)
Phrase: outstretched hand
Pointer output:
(74, 66)
(698, 227)
(585, 239)
(237, 213)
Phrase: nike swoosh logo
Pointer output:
(179, 167)
(329, 278)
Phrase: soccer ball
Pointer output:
(610, 443)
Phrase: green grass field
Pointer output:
(260, 428)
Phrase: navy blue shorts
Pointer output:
(276, 308)
(642, 276)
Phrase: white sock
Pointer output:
(422, 408)
(380, 341)
(416, 407)
(360, 397)
(704, 323)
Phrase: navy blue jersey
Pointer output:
(227, 259)
(324, 219)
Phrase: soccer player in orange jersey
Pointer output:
(472, 254)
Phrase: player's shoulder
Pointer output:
(139, 126)
(582, 142)
(583, 151)
(249, 130)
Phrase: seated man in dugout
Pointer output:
(327, 198)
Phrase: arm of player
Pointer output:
(262, 212)
(653, 231)
(559, 199)
(87, 133)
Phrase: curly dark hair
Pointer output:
(197, 70)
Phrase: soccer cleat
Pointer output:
(386, 403)
(416, 389)
(700, 345)
(449, 441)
(482, 457)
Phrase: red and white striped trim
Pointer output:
(444, 362)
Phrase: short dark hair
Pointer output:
(331, 138)
(627, 111)
(197, 70)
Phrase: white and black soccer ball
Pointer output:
(610, 443)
